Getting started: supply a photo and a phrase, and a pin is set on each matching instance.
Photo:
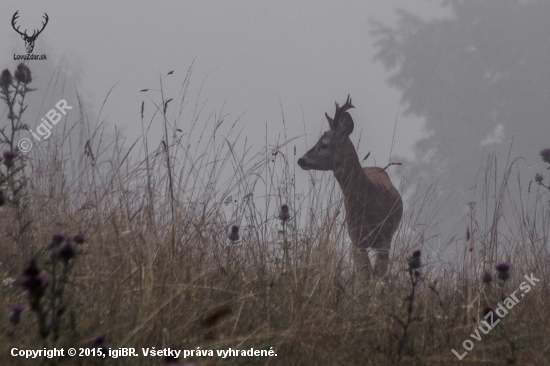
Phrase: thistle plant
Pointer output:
(13, 90)
(15, 313)
(414, 264)
(234, 234)
(100, 342)
(539, 178)
(503, 270)
(487, 277)
(284, 216)
(494, 321)
(45, 287)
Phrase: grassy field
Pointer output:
(157, 267)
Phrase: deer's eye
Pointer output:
(323, 147)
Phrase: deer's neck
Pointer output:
(349, 173)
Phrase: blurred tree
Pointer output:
(480, 78)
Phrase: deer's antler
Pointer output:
(36, 31)
(339, 111)
(35, 34)
(13, 19)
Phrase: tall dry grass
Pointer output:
(158, 269)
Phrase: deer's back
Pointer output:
(383, 190)
(374, 211)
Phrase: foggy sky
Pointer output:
(249, 57)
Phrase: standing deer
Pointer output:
(373, 205)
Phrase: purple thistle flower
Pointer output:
(8, 154)
(35, 285)
(66, 251)
(100, 342)
(503, 266)
(33, 280)
(414, 261)
(8, 158)
(545, 153)
(487, 277)
(57, 240)
(503, 269)
(234, 235)
(15, 313)
(5, 79)
(31, 269)
(23, 74)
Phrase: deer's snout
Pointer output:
(303, 163)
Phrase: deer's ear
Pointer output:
(345, 125)
(330, 122)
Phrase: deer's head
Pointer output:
(329, 152)
(29, 40)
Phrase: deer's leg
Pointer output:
(362, 262)
(381, 265)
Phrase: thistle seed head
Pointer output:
(414, 260)
(503, 270)
(5, 79)
(234, 234)
(284, 213)
(23, 74)
(487, 277)
(8, 158)
(14, 316)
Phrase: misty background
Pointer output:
(447, 88)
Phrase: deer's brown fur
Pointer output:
(373, 206)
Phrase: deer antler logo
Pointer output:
(29, 40)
